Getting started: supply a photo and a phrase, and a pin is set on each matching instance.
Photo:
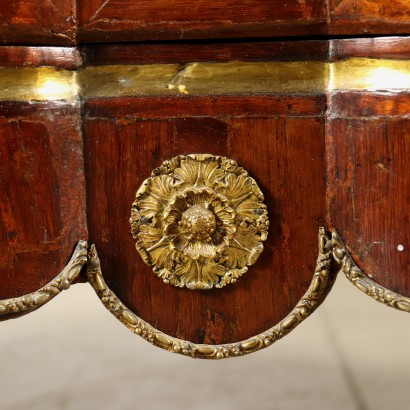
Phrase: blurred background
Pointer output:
(353, 353)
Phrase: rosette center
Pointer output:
(199, 222)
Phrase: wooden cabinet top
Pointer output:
(70, 22)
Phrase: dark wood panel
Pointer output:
(20, 56)
(55, 22)
(183, 53)
(38, 22)
(284, 155)
(129, 20)
(363, 17)
(397, 48)
(369, 189)
(365, 104)
(114, 20)
(166, 107)
(42, 194)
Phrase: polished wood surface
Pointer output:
(122, 152)
(397, 48)
(42, 193)
(363, 17)
(128, 20)
(69, 22)
(369, 183)
(36, 56)
(38, 22)
(336, 159)
(203, 51)
(102, 21)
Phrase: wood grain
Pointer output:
(38, 22)
(397, 48)
(22, 56)
(369, 185)
(122, 152)
(127, 20)
(362, 17)
(184, 53)
(70, 22)
(42, 193)
(337, 160)
(113, 20)
(181, 106)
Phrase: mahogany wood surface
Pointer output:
(42, 195)
(114, 20)
(68, 22)
(38, 22)
(368, 151)
(165, 107)
(363, 17)
(186, 52)
(285, 154)
(397, 48)
(20, 56)
(335, 160)
(129, 20)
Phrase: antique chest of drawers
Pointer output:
(208, 166)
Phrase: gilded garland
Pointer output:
(199, 221)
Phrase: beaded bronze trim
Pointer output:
(32, 301)
(362, 281)
(319, 287)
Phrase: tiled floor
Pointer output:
(353, 353)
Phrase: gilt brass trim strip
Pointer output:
(32, 301)
(362, 281)
(205, 79)
(230, 78)
(319, 287)
(37, 84)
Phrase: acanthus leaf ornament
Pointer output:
(199, 221)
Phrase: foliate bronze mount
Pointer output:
(199, 221)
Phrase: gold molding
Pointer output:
(320, 285)
(362, 281)
(38, 84)
(202, 78)
(32, 301)
(199, 221)
(238, 78)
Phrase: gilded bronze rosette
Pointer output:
(199, 221)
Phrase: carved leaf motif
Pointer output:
(244, 248)
(149, 236)
(199, 173)
(199, 221)
(163, 257)
(161, 187)
(187, 272)
(198, 249)
(249, 209)
(187, 173)
(211, 271)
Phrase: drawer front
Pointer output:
(249, 179)
(69, 22)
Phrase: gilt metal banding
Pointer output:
(203, 78)
(199, 221)
(321, 283)
(362, 281)
(32, 301)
